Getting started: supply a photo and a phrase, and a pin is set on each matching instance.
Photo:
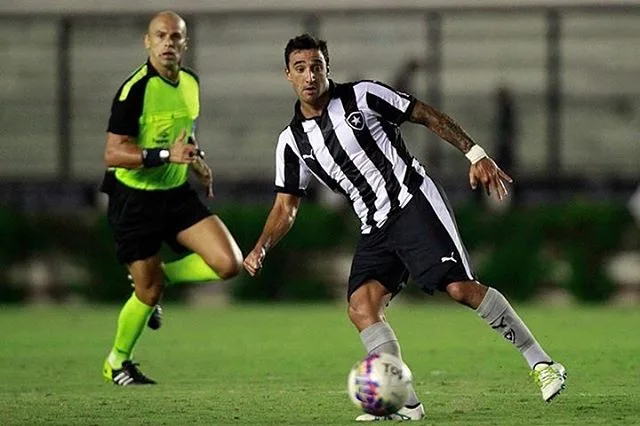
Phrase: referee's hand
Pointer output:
(253, 262)
(205, 175)
(181, 151)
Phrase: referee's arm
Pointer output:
(122, 151)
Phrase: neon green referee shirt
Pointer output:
(155, 110)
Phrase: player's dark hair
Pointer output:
(305, 42)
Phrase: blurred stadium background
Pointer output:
(568, 241)
(570, 67)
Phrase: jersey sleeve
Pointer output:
(390, 104)
(292, 174)
(126, 109)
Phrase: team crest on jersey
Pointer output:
(355, 120)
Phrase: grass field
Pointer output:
(283, 364)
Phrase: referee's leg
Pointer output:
(149, 282)
(213, 243)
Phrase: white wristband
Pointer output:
(475, 154)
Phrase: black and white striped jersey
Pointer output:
(354, 148)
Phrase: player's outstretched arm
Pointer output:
(279, 222)
(483, 169)
(442, 125)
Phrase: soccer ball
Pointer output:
(379, 384)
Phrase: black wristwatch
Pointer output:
(154, 157)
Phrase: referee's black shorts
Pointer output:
(142, 220)
(421, 241)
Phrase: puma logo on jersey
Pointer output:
(448, 258)
(308, 156)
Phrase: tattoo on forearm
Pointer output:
(442, 125)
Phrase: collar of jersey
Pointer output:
(154, 73)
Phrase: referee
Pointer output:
(348, 137)
(150, 148)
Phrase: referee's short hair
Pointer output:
(305, 42)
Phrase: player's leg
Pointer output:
(367, 300)
(431, 246)
(496, 310)
(366, 312)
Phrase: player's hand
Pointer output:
(204, 174)
(490, 176)
(181, 151)
(253, 262)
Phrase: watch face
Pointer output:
(164, 154)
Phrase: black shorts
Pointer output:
(421, 241)
(142, 220)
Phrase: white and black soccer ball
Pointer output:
(379, 384)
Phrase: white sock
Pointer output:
(380, 338)
(499, 314)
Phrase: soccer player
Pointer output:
(348, 137)
(150, 148)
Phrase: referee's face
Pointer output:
(166, 40)
(308, 74)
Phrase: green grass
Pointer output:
(275, 364)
